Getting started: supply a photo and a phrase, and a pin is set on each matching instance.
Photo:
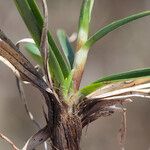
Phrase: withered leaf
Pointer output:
(139, 87)
(37, 139)
(20, 65)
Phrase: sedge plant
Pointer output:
(59, 74)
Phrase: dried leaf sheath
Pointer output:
(24, 67)
(25, 70)
(37, 139)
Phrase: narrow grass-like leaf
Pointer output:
(29, 19)
(112, 26)
(67, 86)
(37, 139)
(84, 21)
(55, 73)
(44, 46)
(115, 78)
(35, 29)
(139, 87)
(66, 47)
(36, 12)
(34, 52)
(81, 55)
(31, 48)
(20, 86)
(19, 64)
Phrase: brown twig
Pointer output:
(9, 141)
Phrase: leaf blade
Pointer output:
(58, 55)
(66, 46)
(67, 87)
(29, 19)
(27, 16)
(34, 52)
(37, 139)
(129, 75)
(112, 26)
(84, 21)
(80, 63)
(16, 61)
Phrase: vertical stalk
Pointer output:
(66, 132)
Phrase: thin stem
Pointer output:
(23, 98)
(123, 129)
(44, 44)
(9, 141)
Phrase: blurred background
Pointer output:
(124, 49)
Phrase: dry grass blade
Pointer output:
(12, 57)
(44, 46)
(111, 95)
(23, 98)
(37, 139)
(135, 91)
(22, 93)
(90, 110)
(123, 130)
(132, 88)
(30, 115)
(9, 141)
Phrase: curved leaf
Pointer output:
(36, 12)
(66, 47)
(34, 52)
(34, 23)
(37, 139)
(19, 64)
(81, 55)
(29, 19)
(145, 72)
(112, 26)
(84, 21)
(67, 87)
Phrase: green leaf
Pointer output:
(29, 19)
(112, 26)
(34, 52)
(34, 23)
(66, 47)
(36, 12)
(115, 78)
(81, 55)
(55, 70)
(84, 21)
(67, 86)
